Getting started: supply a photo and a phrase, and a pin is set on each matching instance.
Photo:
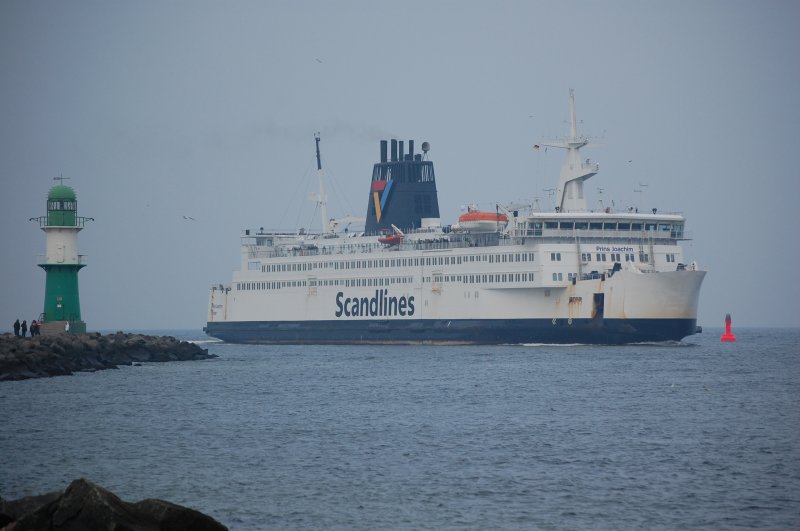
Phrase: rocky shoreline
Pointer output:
(63, 354)
(84, 505)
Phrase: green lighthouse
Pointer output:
(62, 307)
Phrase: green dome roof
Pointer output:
(61, 192)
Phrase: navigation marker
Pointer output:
(728, 337)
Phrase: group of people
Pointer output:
(22, 329)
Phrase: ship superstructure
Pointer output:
(509, 276)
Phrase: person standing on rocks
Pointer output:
(24, 327)
(34, 328)
(16, 328)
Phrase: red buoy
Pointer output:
(728, 336)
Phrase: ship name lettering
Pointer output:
(613, 249)
(381, 305)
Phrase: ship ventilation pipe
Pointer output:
(394, 150)
(400, 150)
(410, 150)
(384, 147)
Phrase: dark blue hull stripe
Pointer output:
(464, 331)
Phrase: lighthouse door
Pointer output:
(59, 308)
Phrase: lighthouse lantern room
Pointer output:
(61, 225)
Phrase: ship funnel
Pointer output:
(402, 190)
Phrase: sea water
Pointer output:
(697, 434)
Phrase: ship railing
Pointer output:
(434, 244)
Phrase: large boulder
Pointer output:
(85, 506)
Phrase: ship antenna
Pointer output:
(319, 161)
(322, 200)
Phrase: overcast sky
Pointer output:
(160, 110)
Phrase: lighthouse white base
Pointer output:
(51, 328)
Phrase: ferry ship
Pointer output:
(509, 276)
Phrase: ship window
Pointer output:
(567, 224)
(558, 276)
(650, 226)
(665, 227)
(581, 225)
(595, 226)
(615, 257)
(601, 257)
(643, 257)
(551, 224)
(610, 226)
(624, 226)
(555, 257)
(636, 226)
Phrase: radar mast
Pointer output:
(569, 196)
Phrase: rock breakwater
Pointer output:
(63, 354)
(84, 505)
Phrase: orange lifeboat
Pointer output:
(391, 239)
(477, 221)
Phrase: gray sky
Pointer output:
(159, 110)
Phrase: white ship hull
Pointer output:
(453, 304)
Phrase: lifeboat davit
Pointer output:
(477, 221)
